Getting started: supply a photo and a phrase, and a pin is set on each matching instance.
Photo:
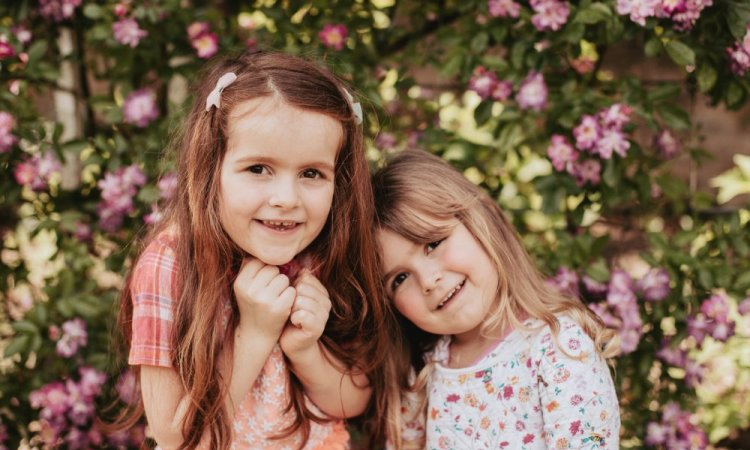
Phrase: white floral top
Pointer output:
(525, 394)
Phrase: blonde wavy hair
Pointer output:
(415, 193)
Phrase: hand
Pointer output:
(308, 318)
(264, 298)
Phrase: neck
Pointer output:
(467, 350)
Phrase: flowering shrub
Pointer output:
(525, 97)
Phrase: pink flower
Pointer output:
(385, 141)
(22, 33)
(333, 36)
(716, 307)
(533, 92)
(685, 19)
(612, 141)
(127, 387)
(550, 15)
(561, 153)
(82, 232)
(140, 107)
(593, 287)
(36, 171)
(58, 10)
(616, 116)
(588, 171)
(7, 139)
(672, 356)
(655, 285)
(91, 381)
(118, 189)
(739, 54)
(483, 82)
(127, 32)
(671, 6)
(167, 185)
(503, 8)
(566, 281)
(502, 91)
(196, 29)
(121, 9)
(587, 132)
(153, 217)
(744, 307)
(667, 144)
(638, 10)
(206, 45)
(6, 50)
(74, 337)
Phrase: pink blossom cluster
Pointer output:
(333, 36)
(140, 107)
(712, 320)
(202, 39)
(532, 94)
(676, 430)
(549, 15)
(684, 13)
(7, 139)
(677, 357)
(654, 286)
(600, 135)
(167, 186)
(118, 189)
(386, 141)
(744, 307)
(739, 54)
(127, 32)
(486, 84)
(67, 409)
(36, 171)
(667, 144)
(74, 337)
(565, 280)
(58, 10)
(503, 8)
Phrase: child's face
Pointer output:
(277, 178)
(444, 287)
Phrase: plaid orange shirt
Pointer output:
(262, 413)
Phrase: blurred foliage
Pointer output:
(91, 90)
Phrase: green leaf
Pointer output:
(664, 91)
(674, 116)
(653, 47)
(479, 42)
(24, 326)
(37, 51)
(706, 77)
(680, 53)
(610, 176)
(737, 18)
(735, 94)
(93, 11)
(483, 112)
(148, 194)
(19, 344)
(598, 271)
(742, 282)
(594, 13)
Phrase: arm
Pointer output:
(336, 390)
(579, 402)
(264, 298)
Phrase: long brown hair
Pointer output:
(206, 258)
(417, 190)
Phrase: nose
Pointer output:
(430, 278)
(284, 194)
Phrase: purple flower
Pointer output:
(7, 139)
(21, 33)
(739, 54)
(6, 49)
(127, 387)
(685, 19)
(676, 430)
(698, 327)
(167, 185)
(74, 337)
(565, 281)
(482, 82)
(612, 141)
(716, 307)
(91, 381)
(561, 153)
(744, 307)
(667, 7)
(655, 285)
(550, 15)
(333, 36)
(140, 107)
(36, 171)
(588, 171)
(672, 356)
(127, 32)
(533, 92)
(503, 8)
(656, 434)
(502, 91)
(385, 141)
(593, 287)
(667, 144)
(587, 132)
(58, 10)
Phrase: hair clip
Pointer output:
(214, 98)
(356, 107)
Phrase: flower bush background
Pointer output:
(586, 159)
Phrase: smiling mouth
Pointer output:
(280, 225)
(451, 294)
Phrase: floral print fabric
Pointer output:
(525, 394)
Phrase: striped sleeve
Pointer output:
(152, 292)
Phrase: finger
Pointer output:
(287, 297)
(307, 278)
(250, 267)
(297, 318)
(265, 275)
(306, 322)
(318, 312)
(278, 283)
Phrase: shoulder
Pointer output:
(155, 267)
(570, 340)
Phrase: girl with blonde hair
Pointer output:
(492, 356)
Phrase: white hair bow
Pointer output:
(214, 98)
(356, 107)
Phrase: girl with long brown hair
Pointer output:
(253, 315)
(492, 356)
